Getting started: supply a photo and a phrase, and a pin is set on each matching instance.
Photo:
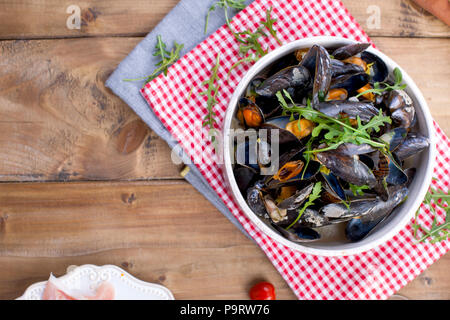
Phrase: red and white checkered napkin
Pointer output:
(375, 274)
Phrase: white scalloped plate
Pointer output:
(87, 278)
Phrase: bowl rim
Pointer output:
(228, 169)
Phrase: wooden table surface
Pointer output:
(85, 181)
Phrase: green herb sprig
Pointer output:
(435, 198)
(250, 46)
(338, 132)
(225, 4)
(358, 190)
(167, 59)
(212, 88)
(381, 87)
(315, 194)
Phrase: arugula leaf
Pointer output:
(167, 59)
(212, 88)
(250, 46)
(315, 194)
(435, 198)
(268, 23)
(378, 89)
(225, 4)
(338, 131)
(358, 190)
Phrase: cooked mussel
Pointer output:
(339, 68)
(413, 144)
(255, 199)
(322, 75)
(353, 109)
(402, 109)
(358, 229)
(376, 68)
(349, 50)
(290, 77)
(249, 114)
(348, 168)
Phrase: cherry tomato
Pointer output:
(262, 291)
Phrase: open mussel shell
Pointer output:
(350, 82)
(377, 69)
(298, 234)
(307, 173)
(293, 76)
(349, 169)
(332, 189)
(309, 59)
(413, 144)
(339, 68)
(291, 205)
(350, 50)
(294, 202)
(249, 114)
(359, 228)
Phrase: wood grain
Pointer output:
(58, 122)
(162, 232)
(27, 19)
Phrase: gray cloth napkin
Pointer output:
(184, 24)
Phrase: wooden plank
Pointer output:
(163, 232)
(60, 123)
(159, 232)
(27, 19)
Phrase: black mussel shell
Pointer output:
(309, 60)
(350, 50)
(246, 153)
(282, 63)
(294, 76)
(349, 169)
(322, 75)
(413, 144)
(402, 108)
(339, 68)
(358, 229)
(351, 149)
(255, 199)
(378, 70)
(365, 110)
(350, 82)
(298, 234)
(394, 138)
(294, 202)
(255, 83)
(332, 189)
(244, 177)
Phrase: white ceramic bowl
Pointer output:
(401, 215)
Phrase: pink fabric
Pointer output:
(175, 99)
